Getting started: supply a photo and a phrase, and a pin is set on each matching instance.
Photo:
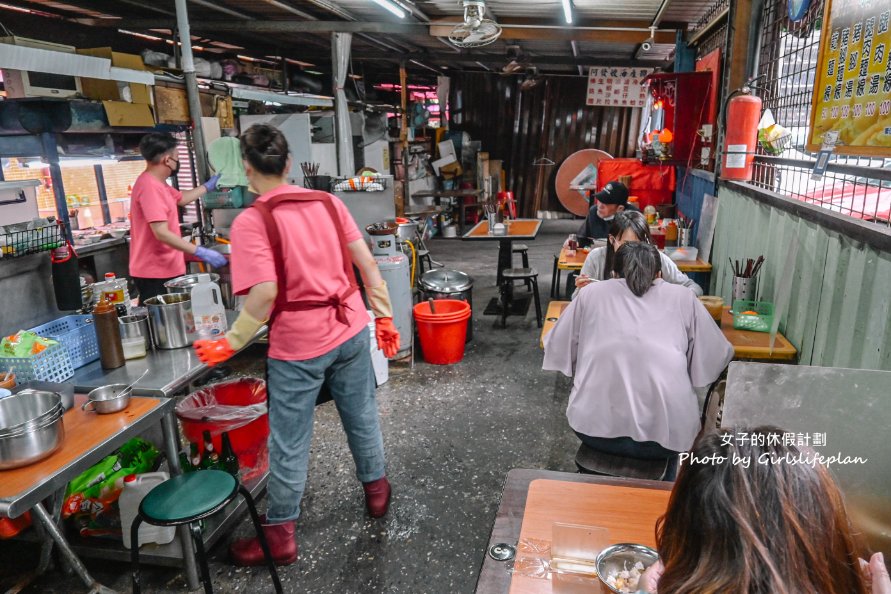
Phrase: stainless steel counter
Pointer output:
(86, 250)
(169, 371)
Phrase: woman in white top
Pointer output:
(627, 226)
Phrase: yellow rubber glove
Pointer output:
(243, 330)
(379, 300)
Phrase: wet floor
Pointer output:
(451, 434)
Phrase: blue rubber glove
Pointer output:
(211, 184)
(215, 259)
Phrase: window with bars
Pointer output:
(859, 187)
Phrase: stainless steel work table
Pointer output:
(89, 438)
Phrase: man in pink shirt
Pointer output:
(156, 247)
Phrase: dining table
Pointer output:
(620, 510)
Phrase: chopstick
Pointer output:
(8, 373)
(747, 269)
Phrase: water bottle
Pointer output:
(136, 487)
(208, 309)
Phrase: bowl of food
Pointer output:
(620, 566)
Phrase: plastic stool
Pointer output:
(186, 499)
(508, 277)
(523, 250)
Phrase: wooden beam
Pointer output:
(740, 25)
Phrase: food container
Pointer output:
(30, 428)
(136, 326)
(407, 230)
(756, 316)
(108, 399)
(64, 390)
(9, 382)
(134, 348)
(182, 285)
(715, 306)
(170, 318)
(619, 557)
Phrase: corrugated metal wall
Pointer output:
(839, 311)
(550, 120)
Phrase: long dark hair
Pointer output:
(265, 148)
(628, 219)
(769, 528)
(639, 264)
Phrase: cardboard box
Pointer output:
(112, 90)
(129, 115)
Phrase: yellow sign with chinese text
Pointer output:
(852, 85)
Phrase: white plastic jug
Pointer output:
(137, 486)
(208, 309)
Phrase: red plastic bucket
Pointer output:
(249, 440)
(442, 334)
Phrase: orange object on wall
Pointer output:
(741, 137)
(652, 184)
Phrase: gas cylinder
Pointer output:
(741, 136)
(396, 270)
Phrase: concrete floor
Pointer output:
(451, 435)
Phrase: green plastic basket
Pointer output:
(237, 197)
(761, 321)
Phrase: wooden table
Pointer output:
(518, 229)
(746, 344)
(694, 266)
(756, 345)
(532, 500)
(89, 437)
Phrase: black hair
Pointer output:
(154, 144)
(629, 219)
(639, 264)
(265, 148)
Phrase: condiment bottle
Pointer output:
(671, 233)
(108, 334)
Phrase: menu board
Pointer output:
(617, 86)
(852, 90)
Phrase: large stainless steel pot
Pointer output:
(449, 284)
(30, 428)
(182, 285)
(173, 326)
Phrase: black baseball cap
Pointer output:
(612, 193)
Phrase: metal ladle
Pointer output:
(130, 387)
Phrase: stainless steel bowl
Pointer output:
(32, 440)
(108, 399)
(26, 410)
(622, 556)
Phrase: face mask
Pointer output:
(609, 218)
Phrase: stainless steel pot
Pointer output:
(108, 399)
(407, 230)
(182, 285)
(136, 326)
(449, 284)
(31, 428)
(172, 324)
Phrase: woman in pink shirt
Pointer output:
(293, 254)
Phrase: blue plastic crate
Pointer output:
(77, 334)
(51, 365)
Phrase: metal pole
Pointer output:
(182, 25)
(51, 154)
(103, 193)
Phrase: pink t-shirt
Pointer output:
(314, 269)
(151, 201)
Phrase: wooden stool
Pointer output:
(590, 461)
(508, 277)
(555, 278)
(523, 250)
(186, 499)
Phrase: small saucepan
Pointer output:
(108, 399)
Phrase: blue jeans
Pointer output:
(293, 388)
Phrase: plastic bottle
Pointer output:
(108, 334)
(115, 290)
(208, 309)
(87, 215)
(137, 486)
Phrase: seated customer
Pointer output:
(625, 227)
(775, 528)
(636, 347)
(605, 204)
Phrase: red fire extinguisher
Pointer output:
(741, 136)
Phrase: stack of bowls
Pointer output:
(30, 427)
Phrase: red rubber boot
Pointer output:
(377, 497)
(247, 552)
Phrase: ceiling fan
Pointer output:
(476, 30)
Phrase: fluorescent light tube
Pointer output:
(567, 12)
(392, 7)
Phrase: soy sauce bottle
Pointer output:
(108, 334)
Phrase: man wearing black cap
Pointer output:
(605, 204)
